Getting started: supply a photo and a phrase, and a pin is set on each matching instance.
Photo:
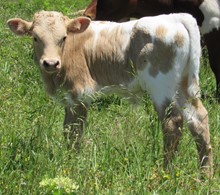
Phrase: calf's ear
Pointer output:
(19, 26)
(78, 25)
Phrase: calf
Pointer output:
(78, 58)
(206, 12)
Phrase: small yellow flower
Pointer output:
(177, 174)
(166, 176)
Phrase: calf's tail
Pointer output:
(194, 54)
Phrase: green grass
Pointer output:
(122, 149)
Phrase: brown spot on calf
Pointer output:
(179, 39)
(160, 32)
(164, 62)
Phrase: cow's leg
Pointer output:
(172, 122)
(212, 41)
(197, 120)
(73, 124)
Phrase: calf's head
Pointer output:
(49, 30)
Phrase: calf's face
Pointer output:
(49, 31)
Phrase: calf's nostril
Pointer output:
(46, 64)
(57, 63)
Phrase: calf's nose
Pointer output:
(51, 63)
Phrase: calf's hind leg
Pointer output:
(172, 122)
(197, 120)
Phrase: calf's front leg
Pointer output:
(73, 124)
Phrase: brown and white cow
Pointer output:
(78, 59)
(206, 12)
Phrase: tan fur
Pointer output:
(200, 131)
(161, 32)
(172, 126)
(164, 62)
(184, 86)
(148, 53)
(108, 66)
(179, 39)
(199, 126)
(77, 75)
(143, 44)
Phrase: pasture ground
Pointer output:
(122, 149)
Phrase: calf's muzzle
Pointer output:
(51, 64)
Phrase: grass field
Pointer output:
(122, 148)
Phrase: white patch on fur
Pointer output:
(131, 91)
(211, 12)
(160, 88)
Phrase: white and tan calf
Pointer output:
(79, 58)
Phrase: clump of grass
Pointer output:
(59, 185)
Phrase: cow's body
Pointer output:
(156, 54)
(206, 12)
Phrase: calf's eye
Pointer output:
(64, 38)
(61, 42)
